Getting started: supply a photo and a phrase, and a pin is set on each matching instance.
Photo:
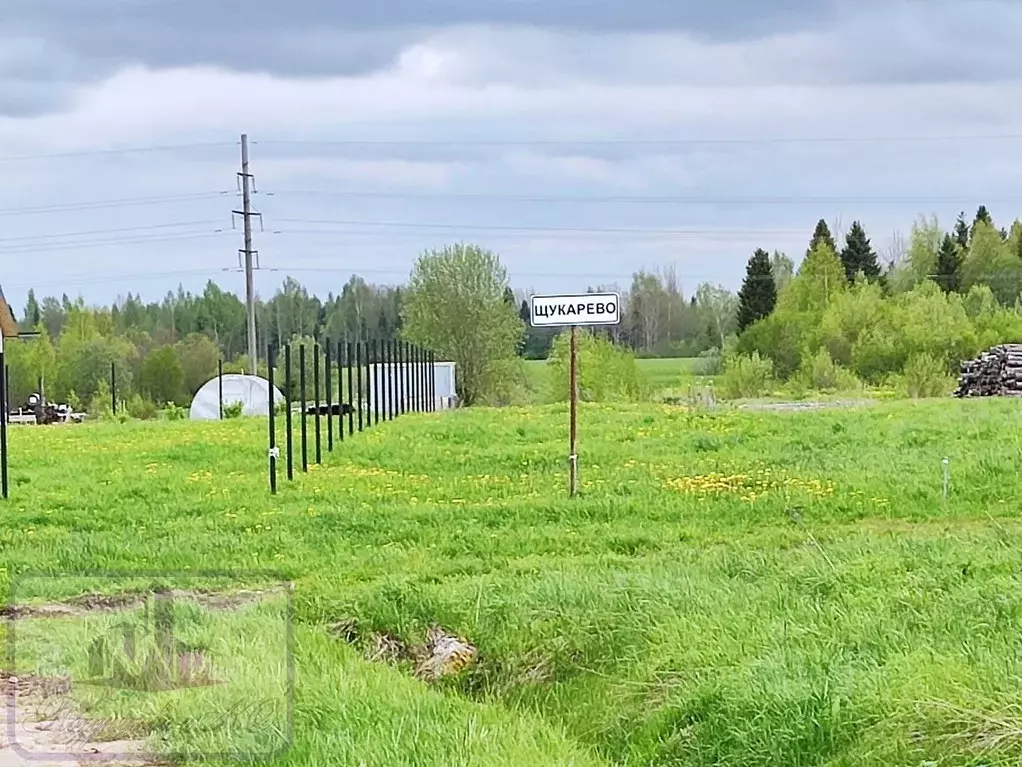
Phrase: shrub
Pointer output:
(74, 401)
(820, 372)
(606, 373)
(510, 384)
(711, 362)
(174, 412)
(778, 337)
(745, 376)
(140, 408)
(233, 409)
(100, 405)
(926, 376)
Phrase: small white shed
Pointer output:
(252, 392)
(443, 378)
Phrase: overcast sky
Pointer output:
(546, 130)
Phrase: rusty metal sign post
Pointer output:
(574, 311)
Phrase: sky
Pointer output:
(580, 140)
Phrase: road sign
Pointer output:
(572, 311)
(580, 309)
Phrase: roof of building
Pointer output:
(8, 322)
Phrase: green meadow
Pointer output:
(730, 587)
(659, 373)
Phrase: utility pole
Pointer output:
(246, 214)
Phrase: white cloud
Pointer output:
(471, 83)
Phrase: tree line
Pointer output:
(165, 350)
(942, 297)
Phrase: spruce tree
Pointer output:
(962, 232)
(948, 272)
(822, 234)
(32, 313)
(858, 255)
(982, 217)
(758, 295)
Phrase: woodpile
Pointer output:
(995, 373)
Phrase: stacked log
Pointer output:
(995, 373)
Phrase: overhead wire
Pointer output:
(724, 141)
(513, 228)
(123, 202)
(100, 151)
(118, 230)
(115, 242)
(77, 280)
(638, 199)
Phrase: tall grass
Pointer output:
(729, 589)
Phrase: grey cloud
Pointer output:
(343, 37)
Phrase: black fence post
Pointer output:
(391, 348)
(402, 355)
(397, 379)
(340, 387)
(4, 410)
(315, 386)
(113, 387)
(358, 377)
(415, 378)
(305, 425)
(287, 413)
(351, 389)
(409, 389)
(328, 374)
(365, 383)
(422, 380)
(270, 362)
(419, 401)
(376, 381)
(220, 385)
(432, 380)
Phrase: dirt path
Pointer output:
(43, 727)
(803, 406)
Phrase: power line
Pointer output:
(98, 204)
(114, 151)
(148, 227)
(39, 248)
(123, 277)
(766, 140)
(511, 272)
(642, 199)
(513, 228)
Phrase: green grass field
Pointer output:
(661, 373)
(731, 588)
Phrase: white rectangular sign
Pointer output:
(581, 309)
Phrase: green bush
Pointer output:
(711, 362)
(821, 373)
(606, 373)
(233, 409)
(174, 412)
(746, 376)
(510, 384)
(74, 401)
(926, 376)
(100, 405)
(140, 408)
